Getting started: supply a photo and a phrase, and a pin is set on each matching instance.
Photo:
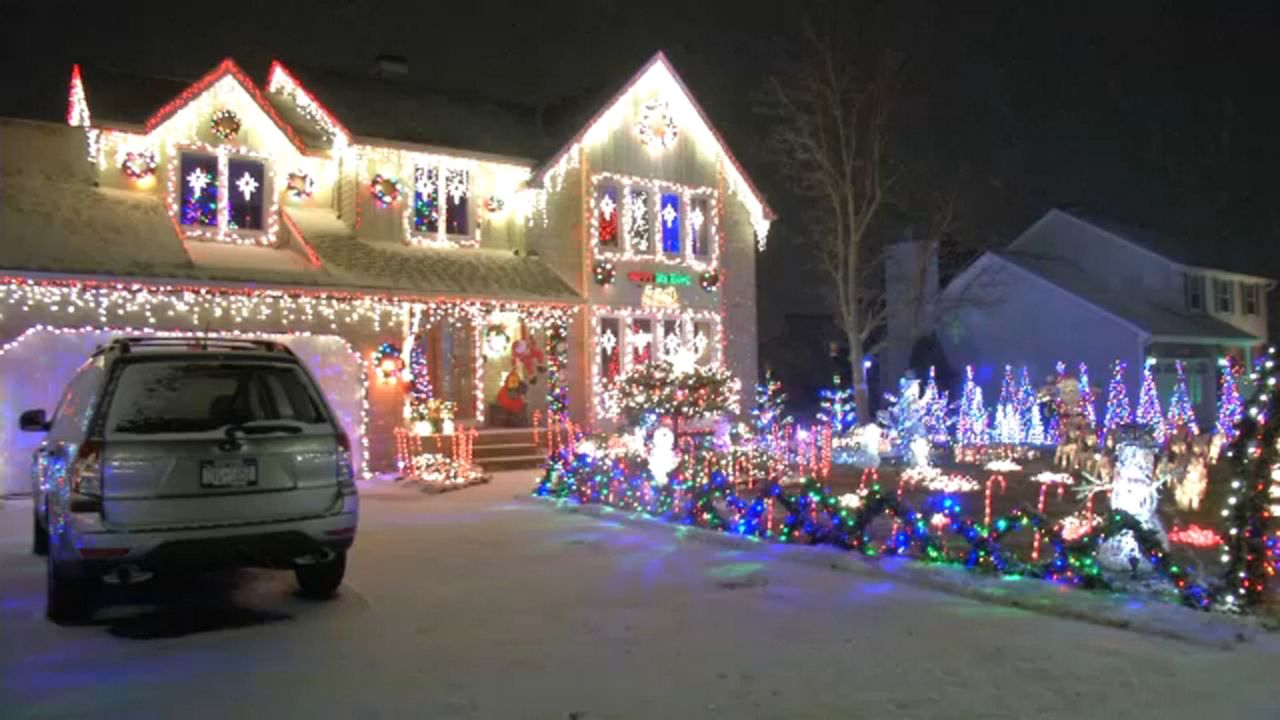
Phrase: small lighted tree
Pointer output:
(837, 407)
(1149, 415)
(770, 414)
(935, 417)
(1118, 411)
(1008, 429)
(1181, 413)
(971, 422)
(1230, 407)
(1088, 400)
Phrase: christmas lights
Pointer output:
(207, 214)
(971, 424)
(603, 272)
(1149, 415)
(935, 418)
(1118, 412)
(139, 164)
(301, 185)
(384, 190)
(620, 207)
(1181, 416)
(225, 123)
(1230, 407)
(1088, 400)
(657, 129)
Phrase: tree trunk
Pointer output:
(858, 376)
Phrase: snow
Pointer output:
(486, 604)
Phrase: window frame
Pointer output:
(441, 236)
(1224, 296)
(1250, 295)
(605, 399)
(221, 230)
(687, 194)
(1194, 286)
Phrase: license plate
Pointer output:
(233, 474)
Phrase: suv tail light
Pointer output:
(85, 477)
(346, 472)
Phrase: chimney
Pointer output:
(390, 67)
(911, 291)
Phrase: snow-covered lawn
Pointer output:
(485, 604)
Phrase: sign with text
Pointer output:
(673, 279)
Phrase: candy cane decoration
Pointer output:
(991, 481)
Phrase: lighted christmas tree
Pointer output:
(971, 423)
(1008, 430)
(1036, 434)
(1149, 415)
(1118, 410)
(905, 418)
(837, 407)
(1025, 405)
(1181, 414)
(1230, 408)
(1088, 400)
(769, 413)
(935, 417)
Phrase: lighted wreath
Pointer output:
(657, 127)
(496, 342)
(385, 190)
(709, 280)
(139, 164)
(301, 185)
(604, 272)
(494, 204)
(225, 124)
(387, 363)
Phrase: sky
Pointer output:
(1153, 114)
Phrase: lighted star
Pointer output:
(669, 214)
(640, 340)
(198, 179)
(608, 341)
(696, 217)
(671, 344)
(607, 206)
(247, 185)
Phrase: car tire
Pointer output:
(68, 595)
(321, 580)
(39, 535)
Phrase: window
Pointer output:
(610, 344)
(1224, 296)
(226, 193)
(439, 192)
(71, 417)
(639, 221)
(699, 239)
(1194, 287)
(1249, 298)
(607, 216)
(640, 339)
(247, 183)
(199, 190)
(702, 340)
(669, 216)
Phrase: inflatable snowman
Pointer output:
(662, 455)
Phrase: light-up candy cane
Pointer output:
(868, 473)
(537, 417)
(991, 481)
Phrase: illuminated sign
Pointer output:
(673, 279)
(664, 298)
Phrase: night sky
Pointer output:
(1154, 114)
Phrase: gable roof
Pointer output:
(1148, 317)
(1179, 251)
(657, 63)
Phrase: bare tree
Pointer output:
(831, 139)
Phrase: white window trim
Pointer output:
(1219, 285)
(220, 232)
(442, 237)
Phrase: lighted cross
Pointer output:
(608, 341)
(247, 185)
(696, 217)
(198, 179)
(669, 214)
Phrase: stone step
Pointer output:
(495, 451)
(519, 462)
(506, 436)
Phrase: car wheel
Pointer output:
(321, 580)
(39, 535)
(68, 596)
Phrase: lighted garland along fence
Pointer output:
(809, 513)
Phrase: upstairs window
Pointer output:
(699, 240)
(639, 222)
(607, 216)
(610, 344)
(669, 221)
(440, 205)
(199, 178)
(1193, 286)
(246, 180)
(1224, 296)
(640, 338)
(1249, 295)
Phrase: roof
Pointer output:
(116, 97)
(391, 109)
(1148, 317)
(55, 221)
(1212, 255)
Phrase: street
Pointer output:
(486, 604)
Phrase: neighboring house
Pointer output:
(1074, 290)
(369, 224)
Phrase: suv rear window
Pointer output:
(183, 396)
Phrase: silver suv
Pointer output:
(170, 454)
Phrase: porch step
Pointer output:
(497, 452)
(505, 436)
(512, 462)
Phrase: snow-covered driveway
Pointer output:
(475, 604)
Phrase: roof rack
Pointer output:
(127, 344)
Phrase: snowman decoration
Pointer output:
(1136, 490)
(662, 455)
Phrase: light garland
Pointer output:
(385, 190)
(77, 108)
(1053, 478)
(225, 124)
(139, 164)
(1195, 536)
(301, 185)
(223, 230)
(280, 80)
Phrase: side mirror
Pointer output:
(33, 421)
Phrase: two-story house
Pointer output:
(1075, 290)
(408, 246)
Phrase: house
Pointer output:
(1076, 290)
(409, 247)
